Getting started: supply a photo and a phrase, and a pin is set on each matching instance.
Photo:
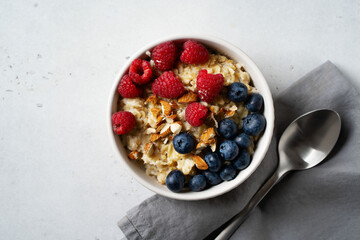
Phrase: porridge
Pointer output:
(187, 121)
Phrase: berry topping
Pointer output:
(255, 102)
(128, 89)
(168, 85)
(194, 53)
(237, 92)
(228, 150)
(254, 124)
(209, 85)
(196, 114)
(164, 55)
(184, 143)
(211, 178)
(122, 122)
(213, 161)
(228, 128)
(242, 140)
(197, 183)
(140, 71)
(175, 181)
(242, 161)
(228, 173)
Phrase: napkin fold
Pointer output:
(319, 203)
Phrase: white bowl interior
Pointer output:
(262, 145)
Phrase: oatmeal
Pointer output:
(158, 119)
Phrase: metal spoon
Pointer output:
(304, 144)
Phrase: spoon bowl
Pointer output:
(309, 139)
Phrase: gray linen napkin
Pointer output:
(320, 203)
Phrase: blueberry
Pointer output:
(228, 150)
(242, 140)
(255, 102)
(184, 143)
(227, 128)
(237, 92)
(242, 161)
(212, 178)
(254, 124)
(175, 181)
(228, 173)
(213, 161)
(197, 183)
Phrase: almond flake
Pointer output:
(165, 131)
(188, 98)
(174, 105)
(149, 148)
(158, 129)
(155, 111)
(166, 107)
(150, 130)
(159, 120)
(171, 118)
(215, 109)
(213, 146)
(153, 99)
(201, 146)
(207, 135)
(133, 155)
(154, 137)
(175, 127)
(200, 163)
(229, 113)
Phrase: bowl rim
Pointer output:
(269, 122)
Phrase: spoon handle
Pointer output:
(239, 218)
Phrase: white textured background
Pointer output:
(59, 178)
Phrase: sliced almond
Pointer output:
(159, 120)
(159, 128)
(207, 135)
(149, 148)
(174, 105)
(153, 99)
(175, 127)
(171, 118)
(166, 107)
(133, 155)
(155, 111)
(154, 137)
(165, 131)
(150, 130)
(188, 98)
(215, 109)
(200, 163)
(213, 146)
(229, 113)
(201, 145)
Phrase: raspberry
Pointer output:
(168, 85)
(122, 122)
(164, 55)
(140, 71)
(196, 114)
(209, 85)
(194, 53)
(128, 89)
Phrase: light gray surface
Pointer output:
(320, 203)
(59, 178)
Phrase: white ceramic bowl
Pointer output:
(262, 145)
